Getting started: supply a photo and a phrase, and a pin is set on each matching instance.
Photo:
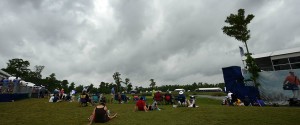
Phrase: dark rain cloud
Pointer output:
(172, 42)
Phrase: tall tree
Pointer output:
(129, 87)
(238, 26)
(127, 81)
(79, 89)
(64, 85)
(71, 86)
(38, 71)
(118, 80)
(52, 82)
(152, 84)
(238, 29)
(18, 67)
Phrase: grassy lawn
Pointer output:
(41, 112)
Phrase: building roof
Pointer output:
(4, 73)
(277, 52)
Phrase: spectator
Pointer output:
(51, 98)
(168, 98)
(181, 99)
(153, 106)
(158, 97)
(100, 114)
(192, 102)
(229, 95)
(119, 97)
(141, 105)
(5, 85)
(112, 94)
(61, 94)
(56, 98)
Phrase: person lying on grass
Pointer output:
(100, 114)
(140, 105)
(153, 106)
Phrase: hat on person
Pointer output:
(181, 92)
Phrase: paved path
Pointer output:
(211, 97)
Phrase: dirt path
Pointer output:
(211, 97)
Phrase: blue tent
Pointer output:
(234, 82)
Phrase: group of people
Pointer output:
(101, 114)
(10, 86)
(181, 101)
(59, 95)
(232, 100)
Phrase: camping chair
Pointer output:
(83, 100)
(124, 98)
(158, 98)
(168, 99)
(95, 99)
(181, 101)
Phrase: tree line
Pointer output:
(20, 68)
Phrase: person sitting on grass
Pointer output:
(181, 99)
(100, 114)
(153, 106)
(192, 102)
(158, 97)
(85, 98)
(140, 105)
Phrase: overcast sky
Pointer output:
(170, 41)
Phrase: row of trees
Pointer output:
(20, 68)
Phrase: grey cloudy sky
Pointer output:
(171, 41)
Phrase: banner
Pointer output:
(271, 86)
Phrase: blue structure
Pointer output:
(234, 82)
(13, 97)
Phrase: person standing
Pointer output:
(112, 93)
(5, 85)
(294, 81)
(229, 97)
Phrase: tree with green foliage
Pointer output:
(51, 82)
(129, 87)
(253, 69)
(71, 86)
(17, 67)
(152, 84)
(238, 26)
(118, 80)
(64, 85)
(238, 29)
(79, 88)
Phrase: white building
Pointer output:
(278, 60)
(4, 74)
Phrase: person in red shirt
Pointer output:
(140, 105)
(158, 97)
(294, 80)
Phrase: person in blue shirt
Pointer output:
(112, 94)
(181, 99)
(5, 85)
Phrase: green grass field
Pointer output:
(41, 112)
